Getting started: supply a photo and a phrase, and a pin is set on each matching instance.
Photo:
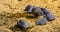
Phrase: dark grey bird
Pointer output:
(37, 11)
(29, 8)
(50, 16)
(42, 21)
(45, 10)
(23, 24)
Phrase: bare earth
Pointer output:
(13, 10)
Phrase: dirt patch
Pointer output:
(13, 10)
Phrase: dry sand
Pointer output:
(12, 10)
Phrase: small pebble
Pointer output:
(22, 24)
(50, 16)
(37, 11)
(42, 21)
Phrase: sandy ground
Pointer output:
(12, 10)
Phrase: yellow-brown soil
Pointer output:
(13, 10)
